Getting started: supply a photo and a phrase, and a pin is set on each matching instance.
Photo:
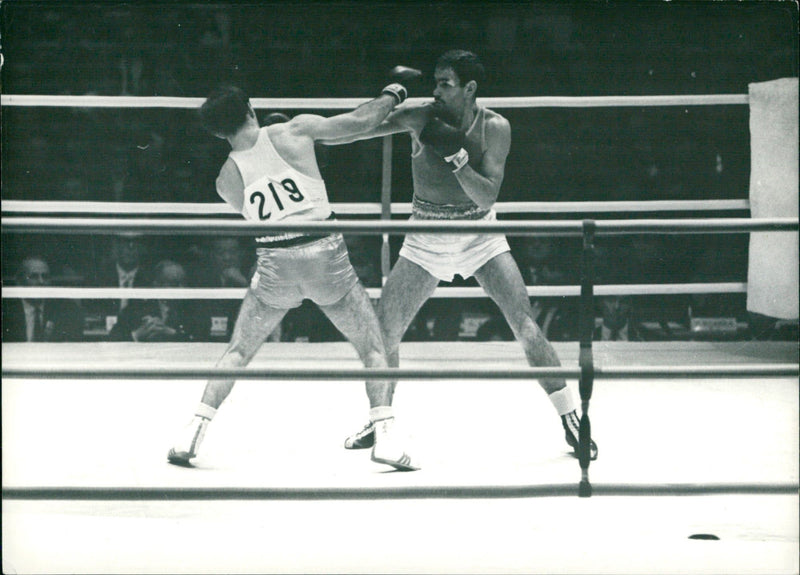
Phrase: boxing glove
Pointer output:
(404, 73)
(446, 141)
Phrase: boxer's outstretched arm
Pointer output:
(364, 118)
(405, 119)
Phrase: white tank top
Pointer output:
(275, 191)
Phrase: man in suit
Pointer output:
(159, 320)
(40, 320)
(125, 269)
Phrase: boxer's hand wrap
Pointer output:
(447, 141)
(458, 160)
(397, 90)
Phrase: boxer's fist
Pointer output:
(447, 141)
(442, 137)
(398, 91)
(404, 73)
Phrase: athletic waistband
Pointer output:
(424, 210)
(291, 239)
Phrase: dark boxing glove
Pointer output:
(447, 141)
(404, 73)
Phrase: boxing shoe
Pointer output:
(388, 449)
(363, 439)
(185, 449)
(572, 425)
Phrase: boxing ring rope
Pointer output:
(91, 101)
(174, 226)
(332, 374)
(374, 293)
(393, 493)
(586, 372)
(27, 207)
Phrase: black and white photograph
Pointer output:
(400, 287)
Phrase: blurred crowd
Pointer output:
(136, 261)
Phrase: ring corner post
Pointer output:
(585, 357)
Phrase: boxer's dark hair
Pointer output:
(465, 64)
(225, 110)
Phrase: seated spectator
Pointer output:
(158, 320)
(122, 267)
(618, 323)
(54, 320)
(221, 265)
(614, 264)
(543, 263)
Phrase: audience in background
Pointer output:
(615, 315)
(220, 262)
(618, 323)
(124, 155)
(161, 319)
(40, 320)
(545, 262)
(123, 266)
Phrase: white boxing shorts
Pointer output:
(315, 269)
(445, 255)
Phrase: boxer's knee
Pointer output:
(374, 357)
(234, 356)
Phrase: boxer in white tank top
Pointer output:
(458, 158)
(271, 174)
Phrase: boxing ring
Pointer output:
(698, 471)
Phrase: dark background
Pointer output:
(344, 49)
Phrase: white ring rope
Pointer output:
(91, 101)
(241, 227)
(367, 208)
(373, 292)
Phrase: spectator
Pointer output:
(158, 320)
(615, 264)
(40, 319)
(222, 265)
(617, 320)
(123, 267)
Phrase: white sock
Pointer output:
(380, 412)
(206, 411)
(563, 400)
